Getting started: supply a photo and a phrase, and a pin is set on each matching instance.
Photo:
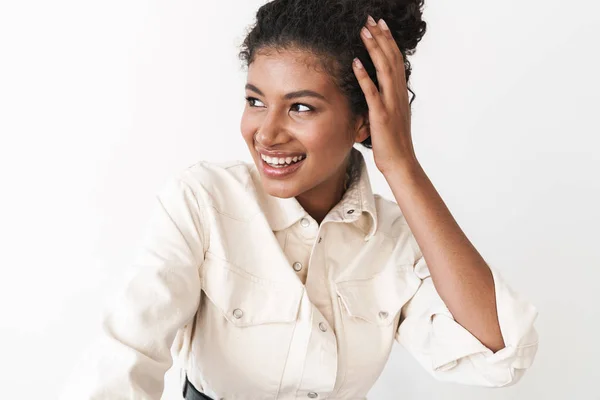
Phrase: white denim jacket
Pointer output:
(258, 301)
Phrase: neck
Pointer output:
(319, 200)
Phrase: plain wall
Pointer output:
(100, 102)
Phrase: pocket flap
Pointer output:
(379, 299)
(247, 300)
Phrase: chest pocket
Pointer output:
(245, 326)
(246, 300)
(378, 300)
(370, 312)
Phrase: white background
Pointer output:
(101, 101)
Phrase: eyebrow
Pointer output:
(291, 95)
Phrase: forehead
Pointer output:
(289, 70)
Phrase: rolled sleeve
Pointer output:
(133, 349)
(451, 353)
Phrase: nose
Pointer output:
(271, 131)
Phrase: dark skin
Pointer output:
(294, 106)
(459, 273)
(323, 128)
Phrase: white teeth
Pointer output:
(281, 161)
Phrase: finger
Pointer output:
(385, 71)
(382, 35)
(386, 41)
(372, 95)
(391, 49)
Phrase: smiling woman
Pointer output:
(288, 277)
(295, 109)
(305, 77)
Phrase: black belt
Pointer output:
(191, 393)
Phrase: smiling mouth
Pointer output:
(282, 162)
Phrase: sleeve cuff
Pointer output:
(451, 342)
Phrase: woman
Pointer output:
(287, 277)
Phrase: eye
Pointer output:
(296, 105)
(252, 101)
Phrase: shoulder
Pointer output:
(221, 184)
(204, 172)
(392, 224)
(390, 219)
(216, 175)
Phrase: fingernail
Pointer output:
(357, 63)
(367, 34)
(371, 21)
(383, 25)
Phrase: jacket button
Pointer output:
(383, 314)
(323, 327)
(237, 313)
(312, 395)
(297, 266)
(305, 222)
(350, 211)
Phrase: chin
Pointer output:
(282, 190)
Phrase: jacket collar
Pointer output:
(356, 206)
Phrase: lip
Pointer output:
(279, 173)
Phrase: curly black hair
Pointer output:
(331, 29)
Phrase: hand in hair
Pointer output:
(389, 108)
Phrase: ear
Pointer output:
(362, 129)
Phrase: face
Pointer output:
(297, 124)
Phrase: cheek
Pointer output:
(247, 128)
(326, 138)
